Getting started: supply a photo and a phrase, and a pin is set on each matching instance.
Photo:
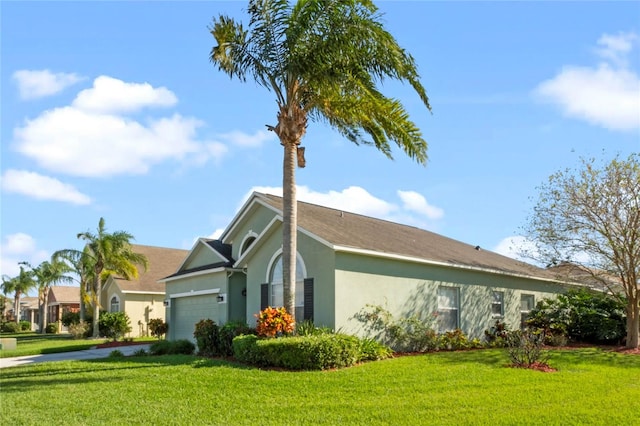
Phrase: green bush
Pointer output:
(51, 328)
(411, 334)
(226, 334)
(167, 347)
(25, 326)
(525, 348)
(319, 352)
(455, 340)
(207, 336)
(10, 327)
(114, 325)
(79, 330)
(69, 318)
(158, 327)
(308, 328)
(116, 354)
(496, 336)
(582, 316)
(372, 350)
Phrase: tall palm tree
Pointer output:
(324, 60)
(107, 254)
(18, 285)
(47, 274)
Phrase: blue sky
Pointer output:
(112, 109)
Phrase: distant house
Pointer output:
(30, 311)
(142, 298)
(62, 299)
(345, 262)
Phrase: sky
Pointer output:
(113, 110)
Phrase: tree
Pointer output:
(47, 274)
(107, 254)
(81, 262)
(590, 217)
(324, 61)
(18, 285)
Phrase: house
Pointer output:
(142, 298)
(345, 262)
(62, 299)
(30, 311)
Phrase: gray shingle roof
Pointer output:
(344, 229)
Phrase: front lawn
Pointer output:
(34, 344)
(591, 386)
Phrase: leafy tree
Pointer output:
(47, 274)
(104, 254)
(18, 285)
(324, 61)
(590, 217)
(114, 325)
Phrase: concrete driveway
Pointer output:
(66, 356)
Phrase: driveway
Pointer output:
(66, 356)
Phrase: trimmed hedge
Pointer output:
(319, 352)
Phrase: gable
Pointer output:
(201, 255)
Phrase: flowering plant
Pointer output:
(273, 322)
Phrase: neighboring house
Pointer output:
(347, 261)
(30, 311)
(142, 298)
(62, 299)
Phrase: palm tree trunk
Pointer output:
(45, 308)
(16, 307)
(96, 307)
(290, 225)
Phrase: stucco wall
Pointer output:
(141, 308)
(411, 289)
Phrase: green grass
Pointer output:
(591, 387)
(34, 344)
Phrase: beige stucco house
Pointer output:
(345, 262)
(142, 298)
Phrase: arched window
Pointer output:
(115, 304)
(276, 279)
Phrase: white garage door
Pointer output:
(188, 311)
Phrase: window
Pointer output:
(448, 308)
(497, 304)
(275, 279)
(527, 303)
(115, 304)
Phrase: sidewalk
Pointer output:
(66, 356)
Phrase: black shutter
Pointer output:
(308, 299)
(264, 296)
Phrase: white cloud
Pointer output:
(110, 95)
(415, 202)
(248, 141)
(607, 94)
(95, 137)
(516, 247)
(41, 187)
(16, 248)
(38, 84)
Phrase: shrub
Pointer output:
(79, 330)
(274, 322)
(116, 354)
(318, 352)
(455, 340)
(582, 316)
(411, 334)
(207, 334)
(140, 352)
(496, 336)
(25, 326)
(232, 329)
(114, 325)
(51, 328)
(69, 318)
(10, 327)
(372, 350)
(525, 348)
(158, 327)
(166, 347)
(308, 328)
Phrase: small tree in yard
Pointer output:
(590, 217)
(114, 324)
(158, 328)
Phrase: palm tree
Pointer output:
(47, 274)
(107, 254)
(18, 285)
(81, 263)
(324, 60)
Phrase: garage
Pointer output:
(188, 310)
